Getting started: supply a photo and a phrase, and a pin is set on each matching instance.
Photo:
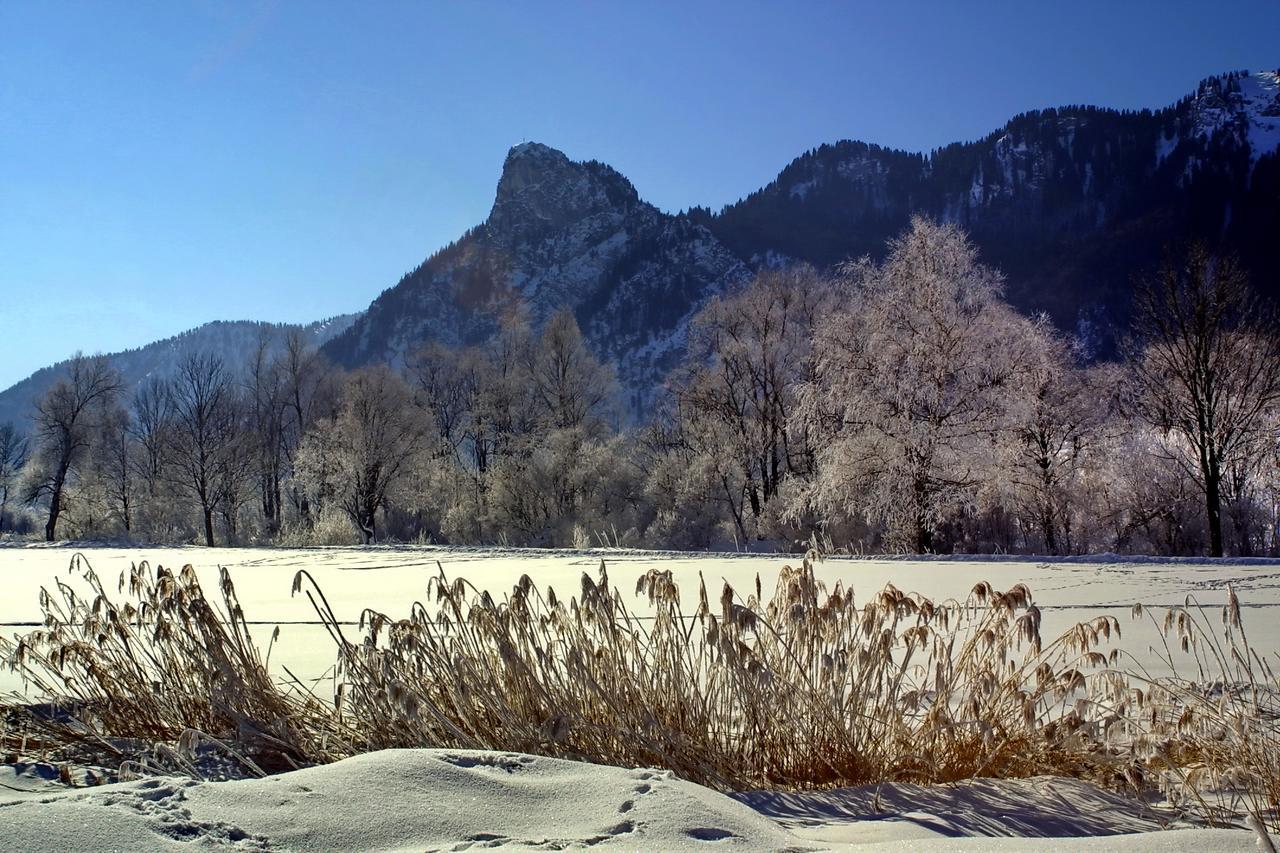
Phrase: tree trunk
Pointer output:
(924, 538)
(271, 502)
(55, 509)
(1050, 531)
(733, 508)
(923, 535)
(208, 525)
(754, 495)
(1213, 506)
(55, 504)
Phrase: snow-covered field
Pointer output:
(389, 579)
(450, 800)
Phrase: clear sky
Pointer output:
(163, 164)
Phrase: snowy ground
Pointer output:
(389, 579)
(437, 800)
(455, 800)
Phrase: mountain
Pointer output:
(560, 234)
(232, 341)
(1069, 202)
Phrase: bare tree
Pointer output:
(116, 464)
(13, 457)
(362, 453)
(65, 429)
(309, 392)
(233, 479)
(749, 352)
(446, 381)
(151, 423)
(1207, 363)
(266, 412)
(203, 440)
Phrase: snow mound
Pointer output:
(470, 800)
(398, 800)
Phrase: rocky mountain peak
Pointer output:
(528, 165)
(542, 192)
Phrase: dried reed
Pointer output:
(166, 666)
(806, 688)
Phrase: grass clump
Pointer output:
(157, 677)
(807, 688)
(803, 688)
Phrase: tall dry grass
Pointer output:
(1212, 729)
(806, 687)
(165, 668)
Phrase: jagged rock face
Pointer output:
(560, 234)
(545, 201)
(1070, 203)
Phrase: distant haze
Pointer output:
(163, 165)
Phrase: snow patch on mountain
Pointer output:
(1261, 96)
(1248, 105)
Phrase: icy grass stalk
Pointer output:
(166, 666)
(804, 689)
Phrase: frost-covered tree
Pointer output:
(1056, 419)
(504, 413)
(572, 387)
(1143, 497)
(66, 424)
(13, 457)
(115, 467)
(693, 491)
(1269, 492)
(912, 381)
(551, 400)
(361, 454)
(749, 351)
(1207, 363)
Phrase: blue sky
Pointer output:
(163, 164)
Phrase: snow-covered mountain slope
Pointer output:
(561, 234)
(1071, 203)
(1244, 106)
(232, 341)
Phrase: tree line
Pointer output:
(899, 405)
